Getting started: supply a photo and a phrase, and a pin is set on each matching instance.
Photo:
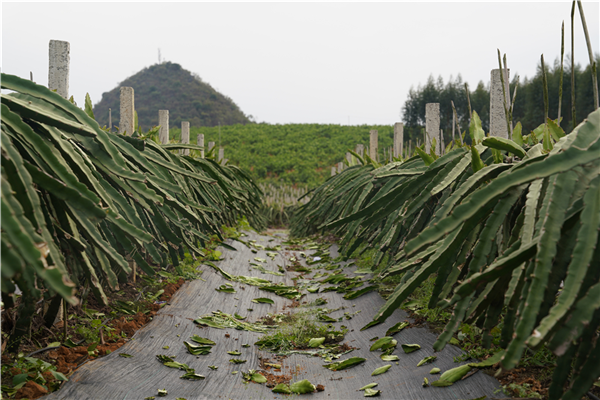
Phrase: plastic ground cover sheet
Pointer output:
(142, 375)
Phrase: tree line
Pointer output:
(528, 104)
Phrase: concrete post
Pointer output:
(360, 150)
(349, 158)
(211, 145)
(200, 142)
(498, 125)
(185, 137)
(332, 171)
(340, 167)
(373, 145)
(163, 121)
(127, 107)
(398, 138)
(432, 126)
(58, 68)
(221, 154)
(110, 120)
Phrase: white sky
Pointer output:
(334, 63)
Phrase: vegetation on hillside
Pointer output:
(168, 86)
(291, 154)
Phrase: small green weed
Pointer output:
(296, 330)
(25, 369)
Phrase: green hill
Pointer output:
(168, 86)
(290, 154)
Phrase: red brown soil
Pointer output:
(67, 360)
(31, 390)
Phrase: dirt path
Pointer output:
(140, 376)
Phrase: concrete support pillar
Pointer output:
(432, 126)
(332, 171)
(221, 154)
(398, 138)
(360, 150)
(210, 146)
(200, 142)
(127, 111)
(373, 145)
(58, 67)
(349, 159)
(340, 167)
(163, 121)
(498, 125)
(185, 136)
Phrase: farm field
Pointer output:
(146, 263)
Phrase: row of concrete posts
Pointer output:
(498, 126)
(58, 79)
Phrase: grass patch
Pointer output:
(295, 330)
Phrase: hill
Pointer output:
(291, 154)
(168, 86)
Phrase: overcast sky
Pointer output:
(334, 63)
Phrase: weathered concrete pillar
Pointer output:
(398, 138)
(349, 159)
(373, 145)
(442, 141)
(185, 136)
(498, 125)
(163, 121)
(200, 142)
(221, 154)
(58, 67)
(432, 126)
(210, 146)
(340, 167)
(127, 110)
(110, 120)
(360, 150)
(332, 171)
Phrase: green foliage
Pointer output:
(168, 86)
(499, 236)
(74, 195)
(293, 154)
(25, 369)
(295, 331)
(528, 105)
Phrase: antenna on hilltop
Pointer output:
(159, 60)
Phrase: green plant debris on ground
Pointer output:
(349, 363)
(369, 386)
(221, 320)
(198, 350)
(409, 348)
(201, 340)
(302, 387)
(426, 360)
(372, 392)
(382, 342)
(381, 370)
(225, 289)
(397, 328)
(296, 330)
(264, 300)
